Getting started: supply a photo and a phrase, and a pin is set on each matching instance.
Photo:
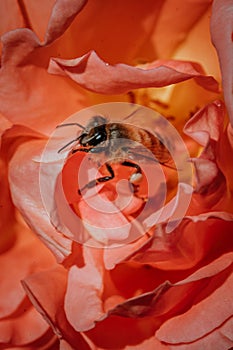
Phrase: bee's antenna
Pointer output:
(69, 143)
(131, 114)
(76, 139)
(69, 124)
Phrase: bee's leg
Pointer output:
(93, 183)
(136, 176)
(89, 150)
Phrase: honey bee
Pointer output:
(120, 143)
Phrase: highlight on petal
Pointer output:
(92, 73)
(222, 32)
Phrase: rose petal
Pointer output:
(173, 25)
(219, 339)
(129, 332)
(103, 220)
(167, 298)
(26, 256)
(23, 77)
(213, 167)
(206, 173)
(221, 31)
(63, 13)
(149, 344)
(38, 257)
(15, 331)
(183, 248)
(207, 123)
(46, 291)
(112, 257)
(202, 318)
(89, 70)
(83, 304)
(206, 127)
(18, 45)
(23, 170)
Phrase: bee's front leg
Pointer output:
(95, 182)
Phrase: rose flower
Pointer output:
(123, 264)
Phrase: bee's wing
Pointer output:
(158, 155)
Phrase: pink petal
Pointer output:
(103, 220)
(17, 314)
(183, 248)
(207, 123)
(46, 291)
(18, 45)
(38, 257)
(27, 329)
(168, 299)
(22, 77)
(65, 346)
(94, 74)
(112, 257)
(83, 304)
(214, 166)
(39, 98)
(203, 317)
(219, 339)
(63, 13)
(24, 170)
(206, 127)
(222, 31)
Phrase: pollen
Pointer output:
(135, 178)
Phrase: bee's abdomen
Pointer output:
(153, 144)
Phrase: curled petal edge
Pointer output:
(92, 73)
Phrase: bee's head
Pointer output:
(94, 137)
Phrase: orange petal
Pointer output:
(94, 74)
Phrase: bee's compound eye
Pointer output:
(99, 137)
(135, 178)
